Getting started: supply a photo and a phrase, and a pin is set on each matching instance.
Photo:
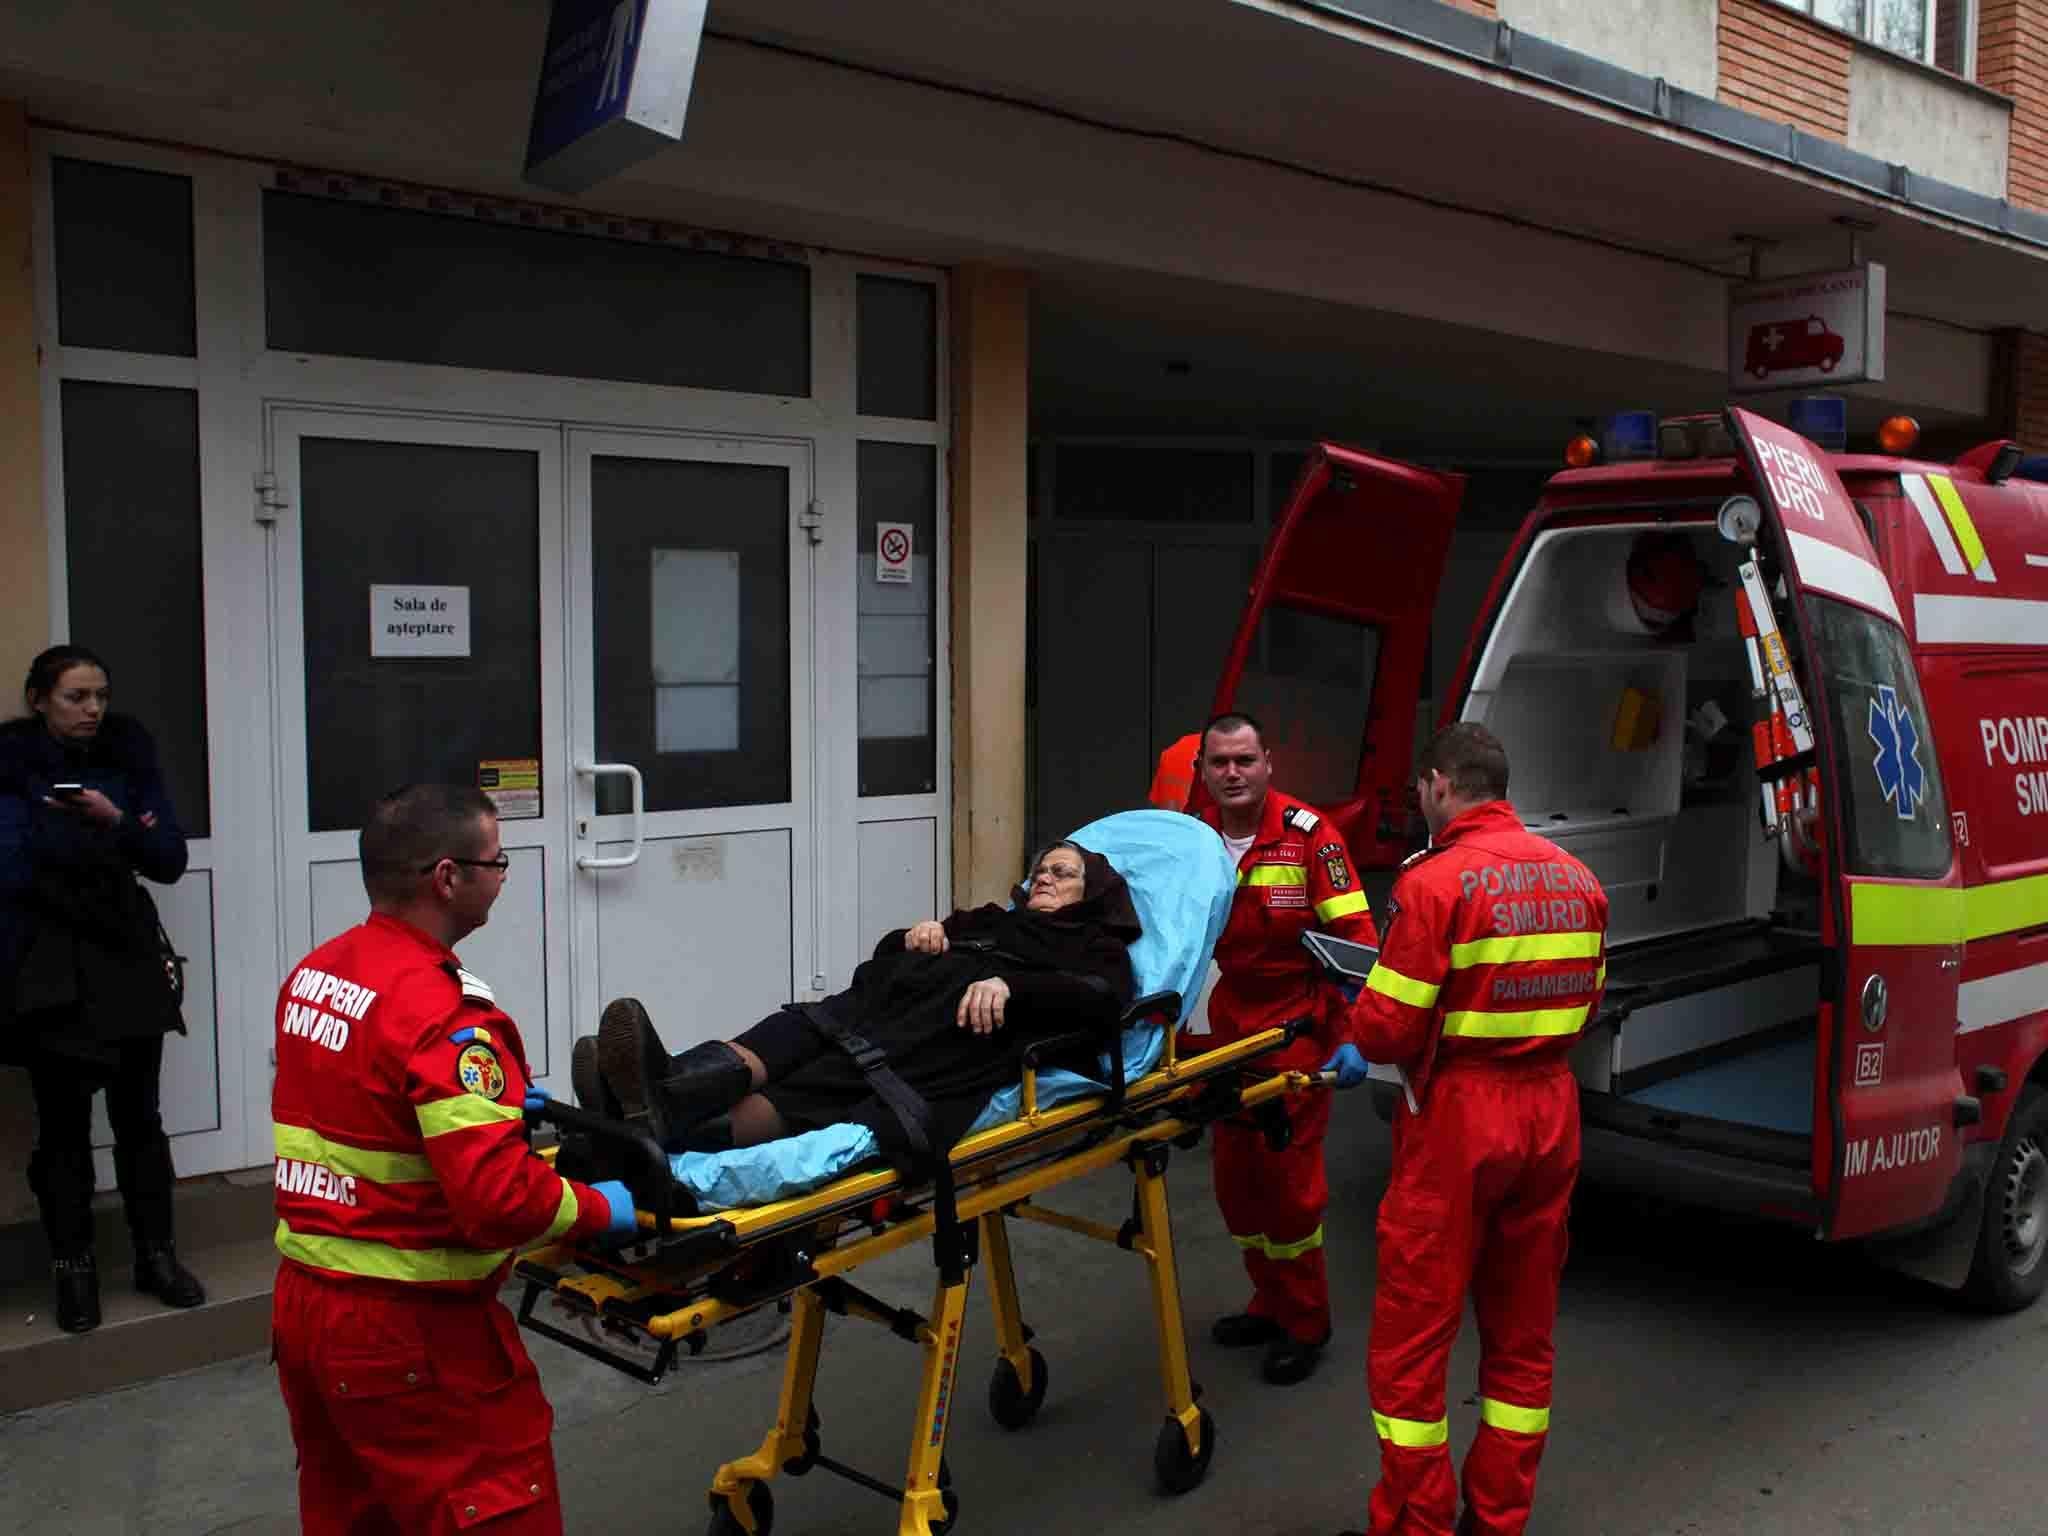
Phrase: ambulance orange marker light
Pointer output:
(1581, 452)
(1898, 434)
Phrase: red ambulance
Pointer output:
(1818, 801)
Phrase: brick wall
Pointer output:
(2028, 390)
(1779, 64)
(2012, 58)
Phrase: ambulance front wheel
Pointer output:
(1177, 1468)
(2011, 1267)
(1008, 1403)
(760, 1506)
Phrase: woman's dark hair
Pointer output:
(44, 671)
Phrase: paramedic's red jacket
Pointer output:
(1296, 875)
(1498, 933)
(402, 1157)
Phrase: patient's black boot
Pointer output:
(586, 1080)
(670, 1096)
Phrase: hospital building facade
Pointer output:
(793, 527)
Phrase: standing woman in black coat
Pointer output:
(87, 992)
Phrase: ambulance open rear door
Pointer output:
(1330, 653)
(1887, 1093)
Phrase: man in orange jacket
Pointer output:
(1293, 874)
(405, 1184)
(1495, 957)
(1173, 781)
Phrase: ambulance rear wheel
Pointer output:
(760, 1505)
(1178, 1469)
(1008, 1403)
(2011, 1267)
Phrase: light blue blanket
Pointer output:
(1181, 879)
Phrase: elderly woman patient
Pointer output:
(951, 1007)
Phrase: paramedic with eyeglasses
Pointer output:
(1294, 873)
(405, 1185)
(1494, 959)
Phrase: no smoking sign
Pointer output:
(892, 552)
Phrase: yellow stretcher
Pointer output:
(692, 1274)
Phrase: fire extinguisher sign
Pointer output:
(892, 552)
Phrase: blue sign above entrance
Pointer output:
(614, 87)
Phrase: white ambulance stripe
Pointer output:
(1833, 569)
(1937, 525)
(2002, 998)
(1979, 620)
(2041, 560)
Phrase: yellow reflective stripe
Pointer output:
(462, 1113)
(381, 1261)
(1907, 914)
(565, 1214)
(309, 1146)
(1402, 989)
(1474, 1025)
(1522, 1421)
(2006, 906)
(1273, 874)
(1342, 906)
(1959, 519)
(1528, 946)
(1272, 1250)
(1415, 1434)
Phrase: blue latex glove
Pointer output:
(625, 1224)
(535, 1101)
(1350, 1067)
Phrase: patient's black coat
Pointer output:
(908, 1005)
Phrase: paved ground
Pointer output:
(1713, 1378)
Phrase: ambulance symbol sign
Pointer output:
(1897, 763)
(892, 552)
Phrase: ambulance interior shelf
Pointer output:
(1629, 747)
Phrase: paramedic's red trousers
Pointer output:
(1273, 1204)
(1480, 1194)
(412, 1416)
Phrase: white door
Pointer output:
(419, 597)
(696, 882)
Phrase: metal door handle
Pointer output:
(631, 856)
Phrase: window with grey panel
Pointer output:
(690, 617)
(358, 280)
(898, 624)
(131, 554)
(898, 336)
(124, 258)
(1309, 682)
(421, 515)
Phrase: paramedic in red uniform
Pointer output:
(404, 1186)
(1293, 874)
(1494, 959)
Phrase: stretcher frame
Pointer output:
(691, 1274)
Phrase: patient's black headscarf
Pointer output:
(1090, 936)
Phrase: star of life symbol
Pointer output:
(1774, 338)
(1897, 762)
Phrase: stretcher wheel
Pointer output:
(945, 1522)
(760, 1504)
(1008, 1403)
(1176, 1469)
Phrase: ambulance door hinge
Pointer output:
(812, 521)
(270, 502)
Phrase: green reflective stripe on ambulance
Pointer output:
(1476, 1025)
(1414, 1434)
(1883, 914)
(1273, 874)
(1342, 906)
(1521, 1421)
(1402, 989)
(2006, 906)
(381, 1261)
(309, 1146)
(1527, 946)
(462, 1113)
(1959, 520)
(565, 1214)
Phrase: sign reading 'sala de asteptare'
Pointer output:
(413, 620)
(614, 87)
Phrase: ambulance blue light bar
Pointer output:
(1822, 419)
(1629, 435)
